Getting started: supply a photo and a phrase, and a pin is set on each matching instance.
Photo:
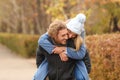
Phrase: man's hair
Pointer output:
(55, 27)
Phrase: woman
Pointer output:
(75, 28)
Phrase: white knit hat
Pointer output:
(76, 24)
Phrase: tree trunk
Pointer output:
(115, 24)
(42, 18)
(23, 24)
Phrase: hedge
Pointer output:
(23, 45)
(105, 56)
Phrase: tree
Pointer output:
(43, 19)
(113, 9)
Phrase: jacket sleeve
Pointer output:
(80, 54)
(39, 57)
(87, 61)
(72, 53)
(45, 44)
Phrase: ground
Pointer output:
(13, 67)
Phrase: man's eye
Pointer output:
(63, 35)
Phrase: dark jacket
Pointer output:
(87, 61)
(57, 69)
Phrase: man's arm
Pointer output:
(39, 57)
(44, 43)
(87, 61)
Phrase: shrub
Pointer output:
(105, 56)
(24, 45)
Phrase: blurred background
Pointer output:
(23, 21)
(34, 16)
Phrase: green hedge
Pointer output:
(24, 45)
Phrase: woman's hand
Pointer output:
(63, 56)
(58, 50)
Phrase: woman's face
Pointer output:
(71, 34)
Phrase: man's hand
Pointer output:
(63, 56)
(58, 50)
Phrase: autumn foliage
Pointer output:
(105, 56)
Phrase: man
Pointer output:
(57, 69)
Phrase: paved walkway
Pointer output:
(13, 67)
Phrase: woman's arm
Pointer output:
(44, 43)
(81, 52)
(72, 53)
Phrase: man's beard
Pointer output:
(59, 43)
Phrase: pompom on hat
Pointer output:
(76, 24)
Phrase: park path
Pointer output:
(13, 67)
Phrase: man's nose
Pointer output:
(66, 37)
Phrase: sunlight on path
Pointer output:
(13, 67)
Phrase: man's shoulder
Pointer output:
(44, 35)
(41, 49)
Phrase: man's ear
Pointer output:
(55, 37)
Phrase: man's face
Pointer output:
(71, 34)
(62, 36)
